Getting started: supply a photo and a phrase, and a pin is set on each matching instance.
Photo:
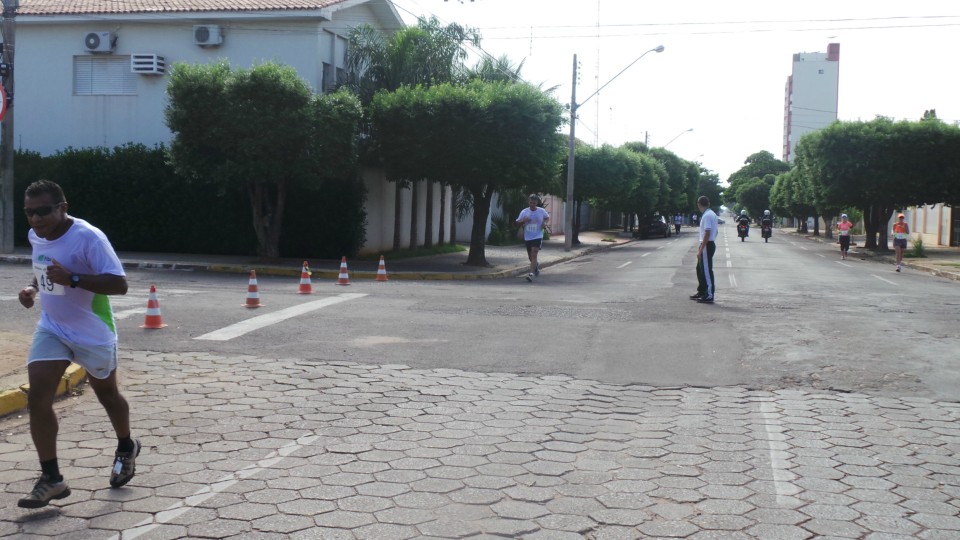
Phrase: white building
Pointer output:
(92, 73)
(810, 101)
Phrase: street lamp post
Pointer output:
(677, 137)
(568, 207)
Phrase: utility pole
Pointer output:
(571, 157)
(6, 132)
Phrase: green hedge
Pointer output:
(134, 196)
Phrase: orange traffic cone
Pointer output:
(153, 318)
(343, 279)
(253, 296)
(305, 286)
(381, 271)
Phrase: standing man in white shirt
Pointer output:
(706, 286)
(533, 220)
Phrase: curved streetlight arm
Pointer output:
(658, 49)
(677, 137)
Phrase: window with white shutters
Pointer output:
(103, 76)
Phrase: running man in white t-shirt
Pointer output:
(74, 270)
(533, 220)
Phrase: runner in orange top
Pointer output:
(900, 233)
(844, 227)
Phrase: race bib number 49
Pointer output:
(46, 286)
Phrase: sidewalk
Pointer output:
(504, 261)
(940, 261)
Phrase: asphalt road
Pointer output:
(788, 314)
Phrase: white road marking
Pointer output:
(256, 323)
(821, 255)
(2, 298)
(645, 254)
(729, 264)
(843, 264)
(803, 248)
(178, 509)
(733, 280)
(779, 458)
(120, 315)
(883, 280)
(624, 264)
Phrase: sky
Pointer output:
(724, 66)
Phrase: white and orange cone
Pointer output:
(153, 318)
(382, 271)
(344, 278)
(306, 287)
(253, 295)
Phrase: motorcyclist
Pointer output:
(744, 221)
(766, 224)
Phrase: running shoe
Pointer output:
(898, 268)
(705, 300)
(124, 466)
(530, 276)
(43, 492)
(696, 296)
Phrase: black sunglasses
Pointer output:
(40, 210)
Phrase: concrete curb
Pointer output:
(15, 400)
(281, 271)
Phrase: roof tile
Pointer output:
(87, 7)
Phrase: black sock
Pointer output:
(51, 468)
(125, 444)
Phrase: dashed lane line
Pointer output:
(883, 280)
(624, 264)
(256, 323)
(843, 264)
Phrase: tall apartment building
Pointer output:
(810, 101)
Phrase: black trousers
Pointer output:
(705, 282)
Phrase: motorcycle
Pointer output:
(766, 231)
(742, 231)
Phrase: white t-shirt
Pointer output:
(533, 229)
(708, 221)
(76, 315)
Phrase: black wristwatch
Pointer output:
(74, 280)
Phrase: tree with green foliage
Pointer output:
(678, 191)
(260, 130)
(426, 54)
(708, 183)
(882, 165)
(757, 165)
(754, 196)
(483, 136)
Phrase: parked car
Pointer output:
(655, 225)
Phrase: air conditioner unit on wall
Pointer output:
(147, 64)
(100, 42)
(207, 35)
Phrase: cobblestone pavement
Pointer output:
(281, 448)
